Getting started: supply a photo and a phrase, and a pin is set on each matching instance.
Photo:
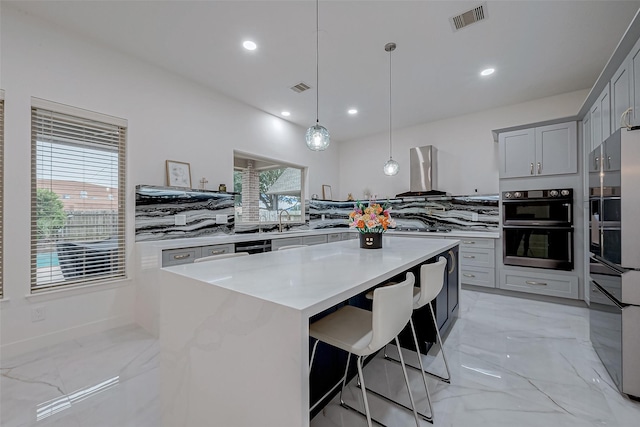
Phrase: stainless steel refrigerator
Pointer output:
(614, 233)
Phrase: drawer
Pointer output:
(544, 284)
(278, 243)
(477, 243)
(334, 237)
(349, 236)
(478, 257)
(216, 250)
(478, 276)
(179, 256)
(314, 240)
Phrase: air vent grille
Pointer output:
(467, 18)
(300, 87)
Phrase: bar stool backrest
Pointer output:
(284, 248)
(431, 281)
(392, 308)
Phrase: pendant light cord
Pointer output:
(390, 139)
(317, 60)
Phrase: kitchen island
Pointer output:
(234, 332)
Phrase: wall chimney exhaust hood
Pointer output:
(423, 172)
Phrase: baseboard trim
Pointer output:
(41, 341)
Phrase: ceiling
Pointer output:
(538, 48)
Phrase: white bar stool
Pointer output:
(431, 282)
(221, 256)
(362, 333)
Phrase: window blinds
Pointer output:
(77, 199)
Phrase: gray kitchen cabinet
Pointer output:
(596, 126)
(541, 151)
(540, 283)
(620, 94)
(216, 250)
(634, 89)
(586, 132)
(179, 256)
(517, 153)
(349, 236)
(477, 262)
(334, 237)
(278, 243)
(314, 240)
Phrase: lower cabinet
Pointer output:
(477, 262)
(540, 283)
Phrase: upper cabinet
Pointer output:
(633, 64)
(600, 119)
(545, 150)
(620, 94)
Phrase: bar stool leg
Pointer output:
(313, 355)
(364, 391)
(406, 379)
(446, 365)
(422, 371)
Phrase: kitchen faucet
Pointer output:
(280, 219)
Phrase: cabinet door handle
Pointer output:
(531, 172)
(468, 275)
(453, 261)
(468, 242)
(468, 256)
(539, 168)
(181, 256)
(608, 162)
(216, 251)
(531, 282)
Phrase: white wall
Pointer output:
(169, 118)
(467, 154)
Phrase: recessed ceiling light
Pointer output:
(249, 45)
(286, 113)
(352, 111)
(487, 72)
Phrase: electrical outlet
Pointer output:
(180, 219)
(38, 314)
(474, 216)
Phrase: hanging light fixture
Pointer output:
(317, 135)
(391, 167)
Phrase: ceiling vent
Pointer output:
(300, 87)
(478, 13)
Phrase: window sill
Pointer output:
(4, 301)
(77, 290)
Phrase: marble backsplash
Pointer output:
(470, 213)
(156, 208)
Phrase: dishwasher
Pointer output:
(254, 246)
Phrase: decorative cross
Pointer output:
(203, 181)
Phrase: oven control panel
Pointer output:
(537, 194)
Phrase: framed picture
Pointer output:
(326, 192)
(178, 174)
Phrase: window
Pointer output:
(1, 189)
(76, 241)
(267, 189)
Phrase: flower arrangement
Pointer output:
(374, 218)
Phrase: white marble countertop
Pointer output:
(314, 278)
(247, 237)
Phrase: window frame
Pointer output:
(68, 118)
(275, 164)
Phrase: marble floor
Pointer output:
(514, 362)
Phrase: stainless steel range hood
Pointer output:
(423, 172)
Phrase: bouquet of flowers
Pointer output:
(374, 218)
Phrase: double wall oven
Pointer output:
(614, 243)
(537, 228)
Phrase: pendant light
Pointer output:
(317, 135)
(391, 167)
